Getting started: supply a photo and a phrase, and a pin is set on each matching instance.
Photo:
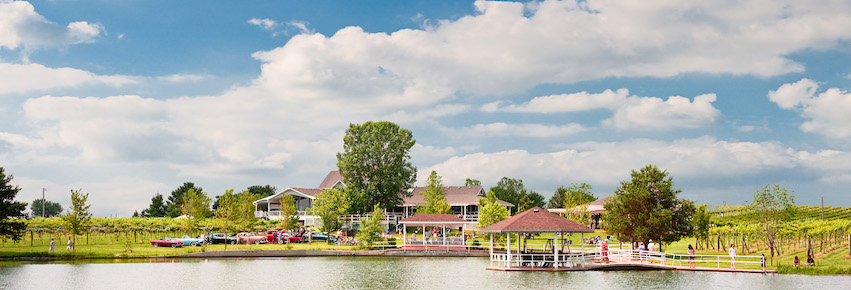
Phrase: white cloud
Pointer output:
(183, 78)
(827, 112)
(630, 112)
(21, 26)
(655, 114)
(17, 78)
(519, 130)
(301, 27)
(265, 23)
(604, 164)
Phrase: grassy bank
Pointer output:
(146, 250)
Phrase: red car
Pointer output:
(250, 238)
(167, 242)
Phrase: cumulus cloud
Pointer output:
(21, 26)
(826, 112)
(17, 78)
(630, 112)
(604, 164)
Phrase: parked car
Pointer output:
(250, 238)
(318, 236)
(187, 240)
(221, 238)
(167, 242)
(272, 235)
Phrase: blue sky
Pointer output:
(125, 99)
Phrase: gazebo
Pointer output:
(435, 221)
(534, 220)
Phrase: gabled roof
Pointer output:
(302, 192)
(333, 179)
(433, 219)
(536, 220)
(602, 201)
(455, 196)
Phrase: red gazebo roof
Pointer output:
(536, 220)
(433, 219)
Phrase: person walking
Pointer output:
(690, 256)
(52, 249)
(70, 244)
(733, 256)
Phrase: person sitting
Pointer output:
(810, 261)
(796, 262)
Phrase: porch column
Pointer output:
(444, 236)
(491, 249)
(582, 238)
(404, 235)
(464, 211)
(555, 250)
(508, 249)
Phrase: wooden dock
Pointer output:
(623, 266)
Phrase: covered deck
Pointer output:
(554, 256)
(426, 241)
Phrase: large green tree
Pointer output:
(472, 182)
(772, 205)
(513, 191)
(157, 208)
(51, 208)
(375, 161)
(228, 212)
(647, 207)
(576, 194)
(434, 196)
(175, 200)
(11, 211)
(330, 205)
(490, 211)
(78, 217)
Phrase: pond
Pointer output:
(365, 272)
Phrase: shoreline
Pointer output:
(273, 254)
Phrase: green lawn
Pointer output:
(146, 250)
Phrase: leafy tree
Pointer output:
(10, 210)
(435, 196)
(289, 212)
(157, 207)
(513, 191)
(245, 209)
(700, 222)
(647, 207)
(175, 200)
(575, 194)
(260, 191)
(329, 205)
(472, 182)
(375, 161)
(772, 205)
(78, 218)
(51, 209)
(196, 205)
(371, 227)
(227, 212)
(490, 211)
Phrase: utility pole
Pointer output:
(42, 201)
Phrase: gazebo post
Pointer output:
(555, 250)
(444, 237)
(491, 249)
(508, 249)
(404, 235)
(582, 239)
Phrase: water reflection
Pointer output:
(365, 272)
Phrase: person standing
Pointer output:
(52, 249)
(733, 256)
(690, 256)
(70, 244)
(604, 251)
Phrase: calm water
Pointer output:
(361, 272)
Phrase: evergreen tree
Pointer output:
(11, 211)
(647, 208)
(434, 196)
(175, 200)
(157, 207)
